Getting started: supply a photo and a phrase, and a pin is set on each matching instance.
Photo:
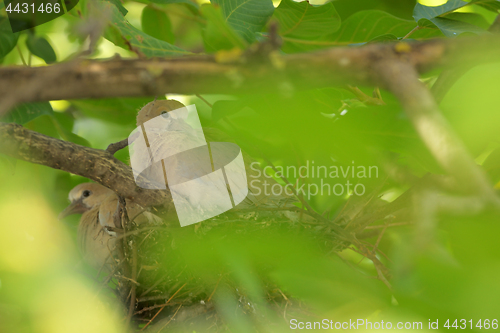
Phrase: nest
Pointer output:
(176, 276)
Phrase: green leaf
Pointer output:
(120, 7)
(429, 12)
(366, 25)
(123, 34)
(193, 4)
(246, 17)
(64, 122)
(450, 28)
(8, 39)
(41, 47)
(433, 17)
(156, 23)
(115, 110)
(363, 27)
(224, 108)
(493, 5)
(217, 34)
(471, 18)
(26, 112)
(304, 21)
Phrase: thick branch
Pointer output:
(203, 74)
(95, 164)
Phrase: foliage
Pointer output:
(453, 277)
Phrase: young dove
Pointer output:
(100, 211)
(170, 134)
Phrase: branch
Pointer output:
(203, 74)
(95, 164)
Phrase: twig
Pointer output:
(21, 55)
(204, 100)
(168, 322)
(213, 292)
(161, 305)
(412, 31)
(114, 147)
(151, 320)
(134, 287)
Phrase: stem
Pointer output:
(412, 31)
(21, 55)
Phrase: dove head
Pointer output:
(85, 197)
(156, 108)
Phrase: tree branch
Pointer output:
(203, 74)
(95, 164)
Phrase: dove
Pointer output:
(96, 233)
(170, 132)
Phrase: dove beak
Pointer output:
(76, 207)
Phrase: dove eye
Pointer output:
(86, 193)
(164, 114)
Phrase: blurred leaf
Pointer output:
(223, 109)
(471, 18)
(191, 3)
(65, 119)
(246, 17)
(26, 112)
(41, 47)
(43, 124)
(280, 127)
(217, 35)
(428, 12)
(64, 125)
(432, 17)
(471, 106)
(115, 110)
(120, 7)
(450, 28)
(123, 34)
(399, 8)
(8, 39)
(492, 167)
(493, 5)
(156, 23)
